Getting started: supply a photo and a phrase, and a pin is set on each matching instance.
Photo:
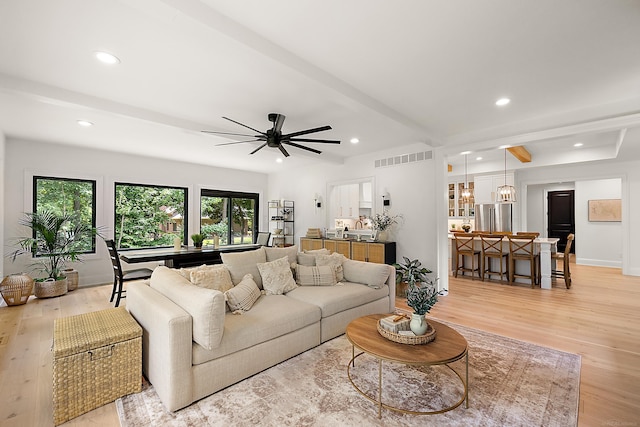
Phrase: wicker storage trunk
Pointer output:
(97, 358)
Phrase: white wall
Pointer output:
(2, 203)
(411, 186)
(27, 158)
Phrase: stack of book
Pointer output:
(395, 323)
(314, 233)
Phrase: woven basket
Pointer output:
(72, 278)
(408, 339)
(16, 288)
(50, 288)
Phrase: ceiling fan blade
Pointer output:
(256, 150)
(324, 141)
(229, 133)
(278, 121)
(283, 150)
(305, 132)
(241, 124)
(238, 142)
(313, 150)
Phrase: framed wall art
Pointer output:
(605, 210)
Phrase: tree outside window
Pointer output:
(67, 196)
(149, 216)
(232, 216)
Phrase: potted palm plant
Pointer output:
(55, 239)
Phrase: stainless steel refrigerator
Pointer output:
(494, 217)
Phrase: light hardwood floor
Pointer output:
(598, 318)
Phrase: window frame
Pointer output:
(204, 192)
(173, 187)
(94, 201)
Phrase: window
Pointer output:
(149, 216)
(68, 196)
(231, 215)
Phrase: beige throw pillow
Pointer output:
(368, 273)
(276, 275)
(315, 276)
(277, 253)
(242, 263)
(212, 277)
(306, 259)
(335, 261)
(243, 295)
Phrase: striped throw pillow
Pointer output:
(315, 276)
(243, 295)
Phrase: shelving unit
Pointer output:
(456, 203)
(282, 217)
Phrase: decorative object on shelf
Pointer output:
(381, 222)
(55, 239)
(277, 231)
(409, 273)
(466, 227)
(197, 240)
(16, 288)
(177, 244)
(72, 278)
(506, 193)
(404, 335)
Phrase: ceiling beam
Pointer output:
(520, 153)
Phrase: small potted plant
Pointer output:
(408, 273)
(197, 240)
(421, 297)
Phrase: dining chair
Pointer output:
(120, 276)
(528, 233)
(491, 250)
(522, 248)
(465, 248)
(565, 257)
(262, 238)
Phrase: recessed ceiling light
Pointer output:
(502, 102)
(502, 147)
(84, 123)
(107, 58)
(354, 140)
(478, 158)
(464, 153)
(578, 144)
(279, 160)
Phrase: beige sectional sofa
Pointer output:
(194, 345)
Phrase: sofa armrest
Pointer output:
(166, 344)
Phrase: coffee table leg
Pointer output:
(353, 355)
(466, 388)
(379, 388)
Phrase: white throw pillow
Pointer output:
(276, 275)
(306, 259)
(335, 260)
(276, 253)
(368, 273)
(242, 263)
(212, 277)
(315, 276)
(323, 251)
(243, 295)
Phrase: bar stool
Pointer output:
(521, 248)
(528, 233)
(465, 248)
(566, 260)
(492, 249)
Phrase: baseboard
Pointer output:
(599, 263)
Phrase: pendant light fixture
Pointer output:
(466, 191)
(506, 193)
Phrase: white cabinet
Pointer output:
(345, 199)
(486, 186)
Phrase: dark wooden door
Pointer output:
(561, 217)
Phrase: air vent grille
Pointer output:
(404, 159)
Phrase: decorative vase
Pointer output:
(72, 278)
(16, 288)
(418, 324)
(381, 236)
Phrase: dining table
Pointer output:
(545, 246)
(187, 256)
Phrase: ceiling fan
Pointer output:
(275, 139)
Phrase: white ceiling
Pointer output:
(389, 73)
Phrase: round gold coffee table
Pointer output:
(448, 347)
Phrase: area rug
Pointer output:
(511, 383)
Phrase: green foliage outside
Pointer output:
(215, 212)
(144, 216)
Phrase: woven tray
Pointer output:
(408, 339)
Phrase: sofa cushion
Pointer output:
(243, 295)
(276, 253)
(315, 276)
(368, 273)
(335, 299)
(306, 259)
(241, 263)
(276, 276)
(212, 277)
(270, 317)
(323, 251)
(335, 260)
(206, 306)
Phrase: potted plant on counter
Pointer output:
(197, 240)
(55, 239)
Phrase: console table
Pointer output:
(185, 257)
